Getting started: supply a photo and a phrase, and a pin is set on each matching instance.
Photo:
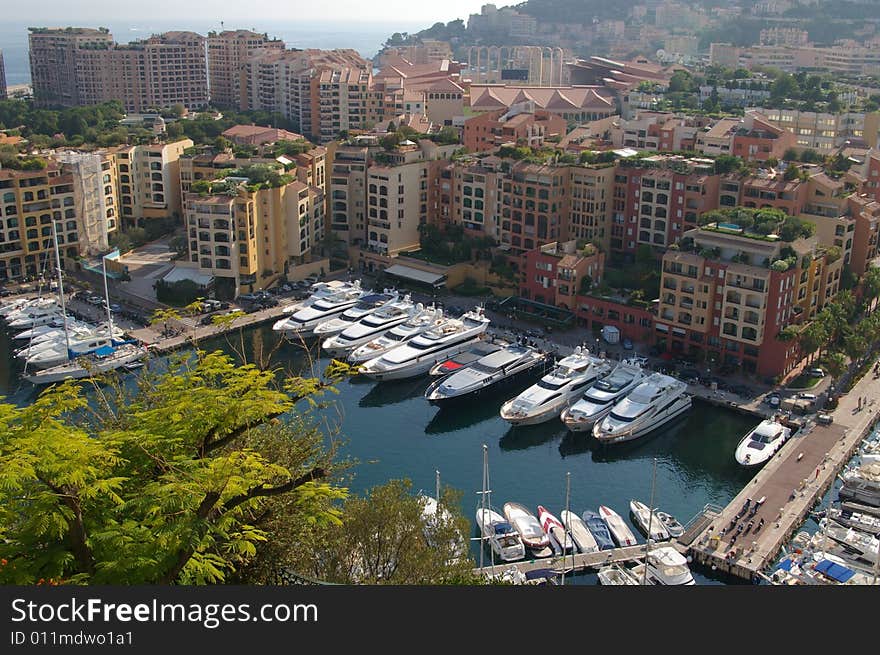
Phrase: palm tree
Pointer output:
(835, 364)
(812, 338)
(871, 286)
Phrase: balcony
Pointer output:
(752, 318)
(686, 303)
(733, 297)
(732, 313)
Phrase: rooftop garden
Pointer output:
(259, 176)
(765, 224)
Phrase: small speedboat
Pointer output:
(615, 574)
(644, 517)
(503, 538)
(599, 529)
(583, 538)
(623, 536)
(529, 528)
(673, 527)
(665, 566)
(560, 539)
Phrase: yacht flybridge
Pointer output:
(553, 392)
(371, 326)
(761, 443)
(421, 353)
(422, 321)
(302, 322)
(654, 402)
(365, 306)
(599, 399)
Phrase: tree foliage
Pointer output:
(165, 483)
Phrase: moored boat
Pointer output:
(762, 442)
(654, 402)
(552, 526)
(621, 533)
(599, 399)
(643, 517)
(502, 537)
(599, 529)
(533, 536)
(583, 538)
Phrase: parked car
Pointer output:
(115, 308)
(807, 396)
(824, 419)
(816, 373)
(627, 344)
(95, 300)
(772, 399)
(207, 320)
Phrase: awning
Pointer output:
(834, 571)
(179, 273)
(416, 275)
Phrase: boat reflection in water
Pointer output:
(390, 393)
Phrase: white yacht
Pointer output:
(321, 290)
(666, 566)
(488, 373)
(465, 358)
(533, 535)
(14, 305)
(365, 306)
(31, 334)
(503, 538)
(859, 520)
(599, 399)
(371, 326)
(421, 353)
(859, 545)
(61, 352)
(34, 318)
(643, 517)
(654, 402)
(620, 531)
(862, 484)
(22, 306)
(553, 392)
(101, 361)
(422, 321)
(302, 322)
(583, 538)
(761, 443)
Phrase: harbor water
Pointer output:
(393, 432)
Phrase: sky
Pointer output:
(399, 11)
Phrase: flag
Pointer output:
(113, 254)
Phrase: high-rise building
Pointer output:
(2, 78)
(30, 200)
(228, 52)
(53, 59)
(81, 66)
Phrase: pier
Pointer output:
(579, 562)
(786, 488)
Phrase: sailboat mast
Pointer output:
(107, 298)
(483, 502)
(60, 287)
(650, 520)
(437, 489)
(566, 529)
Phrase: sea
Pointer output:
(367, 38)
(393, 432)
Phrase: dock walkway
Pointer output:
(789, 485)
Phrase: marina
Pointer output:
(780, 494)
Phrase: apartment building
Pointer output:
(228, 51)
(347, 188)
(846, 58)
(469, 194)
(557, 272)
(30, 200)
(730, 297)
(717, 138)
(149, 181)
(95, 184)
(247, 237)
(532, 207)
(866, 213)
(323, 92)
(661, 131)
(589, 204)
(819, 131)
(522, 124)
(53, 55)
(656, 199)
(757, 139)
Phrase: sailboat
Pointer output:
(504, 540)
(102, 360)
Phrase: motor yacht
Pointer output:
(422, 321)
(620, 531)
(466, 358)
(583, 538)
(365, 306)
(672, 525)
(545, 400)
(319, 291)
(616, 574)
(760, 444)
(654, 402)
(301, 323)
(862, 484)
(665, 566)
(417, 356)
(502, 537)
(861, 521)
(34, 318)
(859, 545)
(489, 373)
(533, 536)
(371, 326)
(598, 400)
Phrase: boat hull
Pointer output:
(418, 367)
(495, 386)
(631, 435)
(546, 414)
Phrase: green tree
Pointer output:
(811, 338)
(791, 173)
(164, 483)
(386, 538)
(835, 364)
(871, 286)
